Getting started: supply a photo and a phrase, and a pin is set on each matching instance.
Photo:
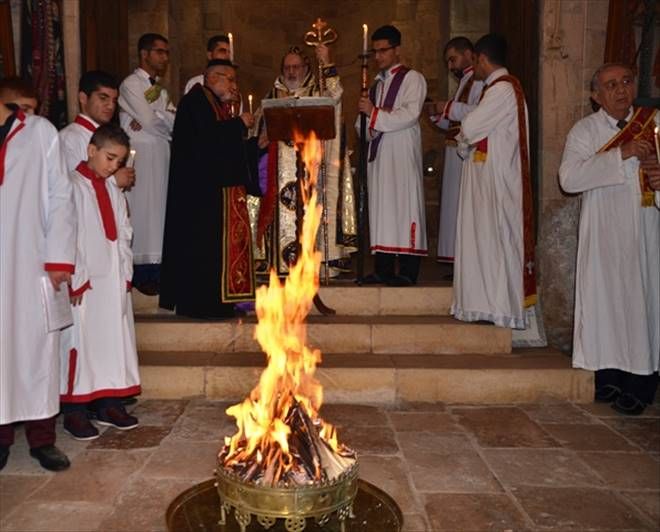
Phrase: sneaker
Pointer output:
(116, 416)
(50, 457)
(77, 424)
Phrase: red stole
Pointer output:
(20, 116)
(640, 126)
(82, 121)
(102, 198)
(462, 97)
(529, 267)
(237, 275)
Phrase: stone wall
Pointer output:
(572, 47)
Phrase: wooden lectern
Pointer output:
(286, 117)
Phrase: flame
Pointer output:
(282, 307)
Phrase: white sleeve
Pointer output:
(133, 102)
(70, 151)
(124, 236)
(459, 110)
(81, 276)
(61, 211)
(411, 100)
(498, 103)
(583, 169)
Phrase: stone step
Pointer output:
(524, 376)
(351, 300)
(332, 334)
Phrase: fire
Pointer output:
(288, 395)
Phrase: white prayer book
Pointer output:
(57, 307)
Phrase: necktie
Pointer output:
(621, 124)
(152, 80)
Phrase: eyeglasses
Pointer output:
(293, 67)
(375, 51)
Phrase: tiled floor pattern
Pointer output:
(539, 467)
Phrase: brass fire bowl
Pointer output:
(321, 501)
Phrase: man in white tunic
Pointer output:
(397, 221)
(610, 159)
(447, 115)
(37, 245)
(493, 275)
(99, 364)
(147, 115)
(217, 47)
(97, 97)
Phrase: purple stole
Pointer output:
(390, 97)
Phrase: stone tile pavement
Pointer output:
(537, 467)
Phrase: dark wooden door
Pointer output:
(519, 22)
(104, 36)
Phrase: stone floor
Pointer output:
(460, 468)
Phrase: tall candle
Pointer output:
(250, 102)
(231, 47)
(365, 29)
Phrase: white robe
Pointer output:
(617, 297)
(454, 111)
(397, 219)
(105, 362)
(74, 140)
(37, 227)
(488, 274)
(148, 197)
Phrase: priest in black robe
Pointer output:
(207, 252)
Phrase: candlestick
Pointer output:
(657, 143)
(250, 102)
(231, 47)
(365, 30)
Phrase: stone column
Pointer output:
(71, 38)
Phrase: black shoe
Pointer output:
(4, 456)
(116, 416)
(128, 401)
(150, 288)
(50, 457)
(77, 424)
(373, 278)
(608, 393)
(628, 405)
(399, 280)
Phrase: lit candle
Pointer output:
(231, 47)
(131, 158)
(657, 143)
(365, 29)
(250, 102)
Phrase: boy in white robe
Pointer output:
(37, 244)
(102, 366)
(397, 219)
(97, 97)
(617, 288)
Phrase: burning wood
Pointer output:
(281, 440)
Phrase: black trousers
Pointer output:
(385, 263)
(643, 387)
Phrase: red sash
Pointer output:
(640, 126)
(102, 198)
(529, 267)
(237, 282)
(82, 121)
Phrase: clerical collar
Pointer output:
(384, 74)
(496, 74)
(613, 121)
(144, 74)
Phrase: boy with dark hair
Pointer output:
(102, 364)
(20, 93)
(97, 96)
